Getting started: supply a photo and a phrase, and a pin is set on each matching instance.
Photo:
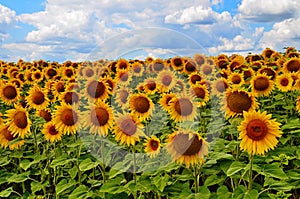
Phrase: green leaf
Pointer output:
(25, 164)
(118, 168)
(6, 193)
(61, 161)
(203, 193)
(235, 167)
(212, 180)
(17, 178)
(223, 192)
(239, 192)
(253, 194)
(73, 172)
(112, 186)
(273, 170)
(64, 185)
(87, 164)
(160, 182)
(4, 161)
(80, 192)
(36, 186)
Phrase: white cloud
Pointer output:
(7, 21)
(268, 10)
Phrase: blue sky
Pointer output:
(79, 30)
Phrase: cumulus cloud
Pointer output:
(7, 21)
(268, 10)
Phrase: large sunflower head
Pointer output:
(96, 90)
(187, 147)
(166, 80)
(284, 82)
(37, 98)
(46, 114)
(261, 85)
(258, 132)
(98, 118)
(236, 101)
(128, 129)
(18, 121)
(152, 146)
(291, 65)
(267, 53)
(70, 97)
(66, 119)
(165, 100)
(9, 93)
(195, 78)
(51, 133)
(269, 72)
(141, 105)
(182, 108)
(236, 79)
(6, 136)
(189, 66)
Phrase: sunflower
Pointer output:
(28, 77)
(284, 82)
(183, 108)
(267, 53)
(194, 78)
(50, 72)
(37, 98)
(37, 76)
(58, 87)
(180, 86)
(150, 86)
(269, 72)
(6, 136)
(236, 62)
(141, 105)
(18, 121)
(88, 71)
(236, 79)
(99, 118)
(96, 90)
(177, 63)
(291, 65)
(50, 132)
(157, 65)
(187, 147)
(261, 85)
(200, 59)
(201, 93)
(17, 82)
(219, 86)
(152, 146)
(68, 72)
(123, 77)
(189, 66)
(165, 99)
(258, 132)
(248, 73)
(122, 95)
(122, 64)
(66, 119)
(9, 93)
(236, 101)
(45, 113)
(166, 80)
(206, 69)
(137, 69)
(128, 129)
(70, 97)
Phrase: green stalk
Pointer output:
(250, 173)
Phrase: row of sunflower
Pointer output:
(119, 100)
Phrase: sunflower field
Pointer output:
(225, 126)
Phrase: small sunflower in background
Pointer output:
(18, 121)
(66, 119)
(236, 79)
(166, 80)
(291, 65)
(150, 85)
(195, 78)
(177, 63)
(258, 132)
(182, 108)
(37, 76)
(141, 105)
(190, 66)
(98, 118)
(261, 85)
(70, 97)
(45, 113)
(268, 71)
(122, 95)
(219, 86)
(123, 77)
(236, 101)
(152, 146)
(157, 65)
(9, 93)
(165, 99)
(51, 133)
(122, 64)
(37, 98)
(186, 147)
(6, 136)
(284, 82)
(128, 129)
(207, 69)
(137, 69)
(201, 93)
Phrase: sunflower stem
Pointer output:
(134, 165)
(250, 173)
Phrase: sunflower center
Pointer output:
(261, 83)
(154, 144)
(100, 116)
(46, 115)
(183, 106)
(284, 82)
(38, 98)
(236, 79)
(123, 96)
(141, 104)
(37, 75)
(51, 72)
(221, 86)
(10, 92)
(71, 97)
(53, 131)
(151, 85)
(239, 102)
(247, 74)
(89, 72)
(96, 89)
(199, 92)
(293, 66)
(158, 66)
(257, 129)
(60, 87)
(7, 134)
(20, 120)
(123, 65)
(69, 72)
(167, 79)
(269, 72)
(207, 69)
(190, 67)
(177, 62)
(137, 69)
(195, 78)
(128, 127)
(185, 146)
(124, 77)
(69, 117)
